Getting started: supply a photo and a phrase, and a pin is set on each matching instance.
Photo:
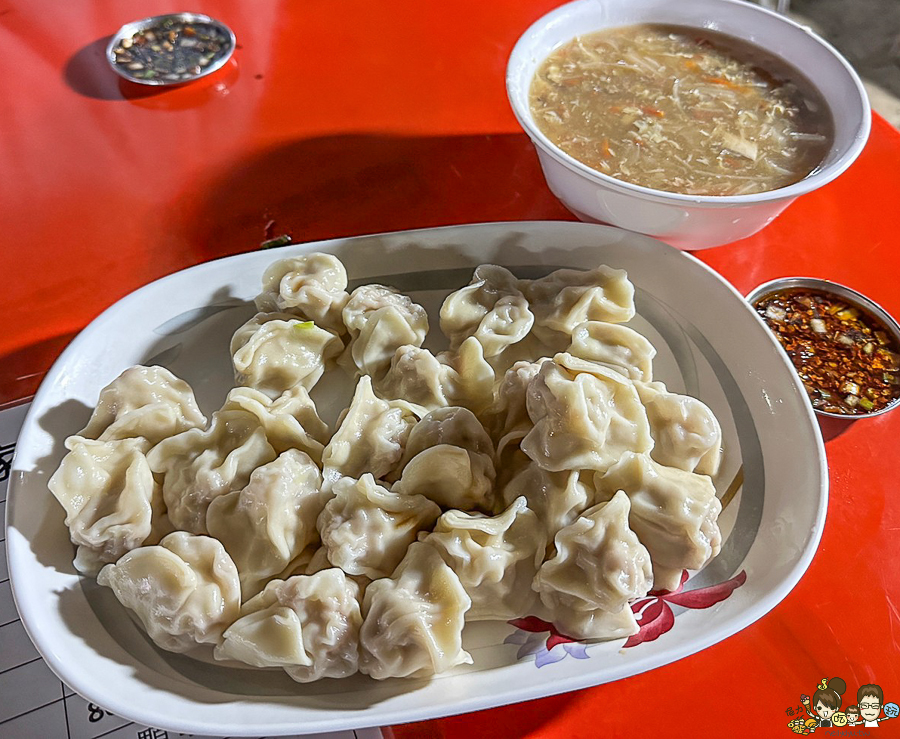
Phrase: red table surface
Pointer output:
(342, 118)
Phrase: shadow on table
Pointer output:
(22, 369)
(504, 722)
(353, 184)
(831, 428)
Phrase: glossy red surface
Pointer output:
(341, 118)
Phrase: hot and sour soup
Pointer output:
(681, 110)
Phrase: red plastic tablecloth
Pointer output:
(341, 118)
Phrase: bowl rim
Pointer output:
(812, 181)
(852, 296)
(131, 28)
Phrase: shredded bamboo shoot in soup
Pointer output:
(681, 110)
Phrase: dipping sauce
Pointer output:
(174, 50)
(848, 360)
(681, 110)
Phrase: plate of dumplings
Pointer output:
(387, 478)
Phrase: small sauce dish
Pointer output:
(170, 49)
(844, 346)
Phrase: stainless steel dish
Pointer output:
(130, 30)
(854, 298)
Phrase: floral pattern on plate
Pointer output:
(653, 613)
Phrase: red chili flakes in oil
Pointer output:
(847, 359)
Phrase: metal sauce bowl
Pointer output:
(131, 29)
(850, 296)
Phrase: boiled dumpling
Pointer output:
(507, 418)
(686, 433)
(508, 322)
(185, 590)
(148, 402)
(557, 498)
(567, 297)
(531, 349)
(470, 380)
(299, 565)
(583, 420)
(452, 425)
(199, 465)
(413, 621)
(451, 476)
(319, 562)
(461, 378)
(490, 308)
(267, 525)
(371, 436)
(290, 421)
(495, 558)
(617, 347)
(464, 311)
(273, 352)
(366, 528)
(673, 513)
(416, 375)
(380, 320)
(307, 625)
(449, 459)
(599, 567)
(311, 286)
(110, 498)
(596, 624)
